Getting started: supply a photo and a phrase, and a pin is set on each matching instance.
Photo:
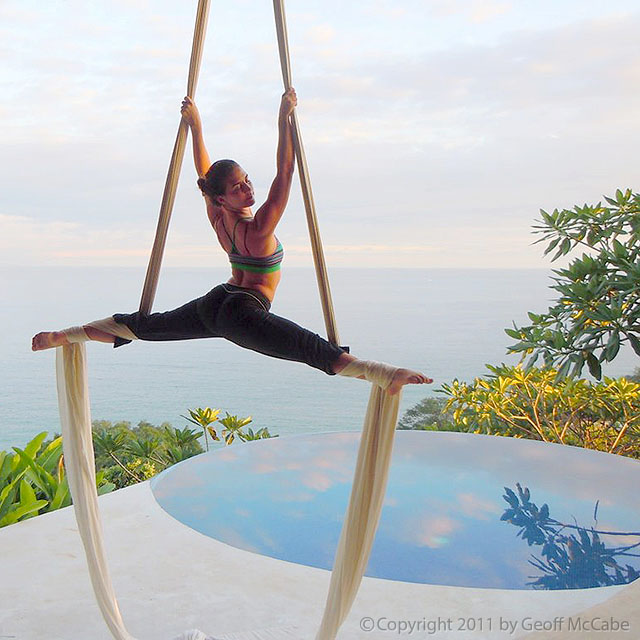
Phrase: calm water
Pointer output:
(441, 519)
(448, 323)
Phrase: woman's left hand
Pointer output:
(288, 102)
(190, 113)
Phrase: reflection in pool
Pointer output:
(441, 520)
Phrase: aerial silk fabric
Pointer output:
(367, 494)
(360, 522)
(79, 461)
(175, 164)
(322, 275)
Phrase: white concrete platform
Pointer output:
(170, 578)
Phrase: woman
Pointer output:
(239, 309)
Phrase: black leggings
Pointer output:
(241, 316)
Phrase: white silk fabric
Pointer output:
(367, 494)
(79, 461)
(359, 526)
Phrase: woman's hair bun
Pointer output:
(214, 182)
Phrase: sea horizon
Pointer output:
(446, 322)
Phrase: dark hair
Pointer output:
(215, 180)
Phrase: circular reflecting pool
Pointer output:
(460, 509)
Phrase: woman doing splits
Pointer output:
(239, 309)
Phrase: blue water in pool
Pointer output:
(447, 518)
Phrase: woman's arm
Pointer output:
(269, 214)
(191, 116)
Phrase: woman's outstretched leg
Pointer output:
(243, 320)
(182, 323)
(50, 339)
(400, 378)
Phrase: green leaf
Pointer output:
(34, 446)
(635, 343)
(619, 249)
(563, 371)
(41, 478)
(5, 466)
(16, 514)
(578, 367)
(546, 217)
(532, 360)
(552, 245)
(27, 494)
(107, 487)
(613, 346)
(8, 493)
(50, 457)
(62, 497)
(595, 369)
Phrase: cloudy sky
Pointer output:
(434, 129)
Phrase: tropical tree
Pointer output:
(233, 426)
(181, 444)
(598, 309)
(533, 403)
(260, 434)
(430, 414)
(111, 445)
(204, 418)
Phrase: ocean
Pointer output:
(446, 322)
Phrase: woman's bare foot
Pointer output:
(400, 378)
(406, 376)
(48, 340)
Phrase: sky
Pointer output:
(434, 130)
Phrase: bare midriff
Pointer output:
(265, 283)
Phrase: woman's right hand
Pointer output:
(288, 103)
(190, 113)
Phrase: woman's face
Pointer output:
(238, 193)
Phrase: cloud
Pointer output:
(321, 33)
(427, 134)
(475, 11)
(29, 241)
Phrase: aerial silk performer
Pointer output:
(239, 309)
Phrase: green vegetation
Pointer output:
(129, 455)
(598, 309)
(534, 404)
(233, 427)
(430, 414)
(33, 480)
